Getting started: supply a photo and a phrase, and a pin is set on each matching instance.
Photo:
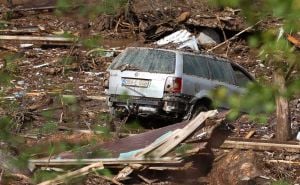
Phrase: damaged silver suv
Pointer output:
(177, 84)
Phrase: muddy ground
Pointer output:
(46, 78)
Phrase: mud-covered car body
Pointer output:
(147, 81)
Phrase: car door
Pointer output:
(222, 77)
(241, 77)
(196, 80)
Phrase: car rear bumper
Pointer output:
(169, 105)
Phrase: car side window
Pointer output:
(221, 71)
(241, 79)
(195, 65)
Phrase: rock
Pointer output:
(208, 37)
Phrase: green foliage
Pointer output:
(275, 51)
(110, 6)
(49, 128)
(104, 117)
(93, 10)
(21, 161)
(63, 5)
(68, 99)
(92, 42)
(280, 182)
(133, 125)
(248, 102)
(11, 62)
(5, 124)
(42, 175)
(5, 78)
(105, 132)
(67, 60)
(182, 149)
(105, 172)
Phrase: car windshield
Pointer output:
(146, 60)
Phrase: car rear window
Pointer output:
(147, 60)
(195, 65)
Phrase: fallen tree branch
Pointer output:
(80, 172)
(234, 37)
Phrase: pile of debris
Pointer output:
(51, 64)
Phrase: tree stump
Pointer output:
(236, 168)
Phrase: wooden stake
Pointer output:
(283, 127)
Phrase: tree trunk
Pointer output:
(283, 127)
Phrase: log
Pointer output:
(80, 172)
(236, 168)
(261, 146)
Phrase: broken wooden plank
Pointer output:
(38, 8)
(183, 134)
(154, 145)
(261, 146)
(36, 38)
(80, 172)
(105, 161)
(297, 163)
(28, 30)
(250, 134)
(172, 141)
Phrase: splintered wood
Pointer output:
(166, 145)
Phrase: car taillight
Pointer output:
(173, 84)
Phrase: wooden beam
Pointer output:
(261, 146)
